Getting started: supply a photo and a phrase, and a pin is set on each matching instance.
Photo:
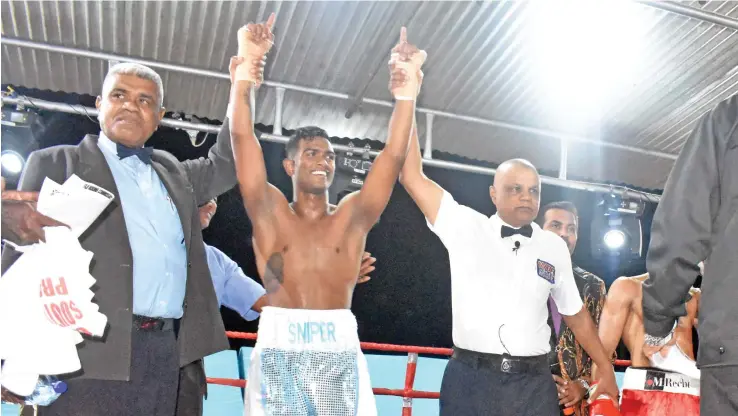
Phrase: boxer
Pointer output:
(662, 384)
(307, 358)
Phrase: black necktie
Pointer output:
(143, 153)
(526, 231)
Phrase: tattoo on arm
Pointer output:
(246, 96)
(274, 272)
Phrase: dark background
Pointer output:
(408, 299)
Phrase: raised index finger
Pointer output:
(270, 21)
(403, 35)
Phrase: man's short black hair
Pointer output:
(563, 205)
(303, 133)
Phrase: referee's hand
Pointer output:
(606, 384)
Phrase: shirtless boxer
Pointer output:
(676, 384)
(622, 318)
(307, 359)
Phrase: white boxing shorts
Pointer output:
(651, 392)
(308, 363)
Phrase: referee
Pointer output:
(503, 270)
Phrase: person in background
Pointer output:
(666, 384)
(622, 320)
(233, 288)
(573, 366)
(697, 220)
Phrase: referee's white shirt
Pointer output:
(498, 295)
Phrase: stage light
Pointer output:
(19, 127)
(12, 162)
(614, 239)
(616, 228)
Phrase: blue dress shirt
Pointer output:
(154, 232)
(232, 287)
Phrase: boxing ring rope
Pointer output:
(407, 393)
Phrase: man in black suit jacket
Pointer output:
(135, 368)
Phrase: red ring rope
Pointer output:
(407, 393)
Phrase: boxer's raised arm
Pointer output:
(405, 82)
(255, 40)
(247, 153)
(426, 193)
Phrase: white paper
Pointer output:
(76, 203)
(45, 296)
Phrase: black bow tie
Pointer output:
(526, 231)
(143, 153)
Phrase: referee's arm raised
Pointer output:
(426, 193)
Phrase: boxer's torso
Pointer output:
(310, 263)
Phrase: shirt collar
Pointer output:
(106, 144)
(111, 148)
(499, 222)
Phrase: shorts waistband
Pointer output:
(651, 379)
(308, 329)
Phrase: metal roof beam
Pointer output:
(23, 43)
(694, 13)
(211, 128)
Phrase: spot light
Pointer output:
(12, 162)
(616, 228)
(614, 239)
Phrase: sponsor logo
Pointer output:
(659, 380)
(546, 271)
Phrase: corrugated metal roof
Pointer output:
(613, 71)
